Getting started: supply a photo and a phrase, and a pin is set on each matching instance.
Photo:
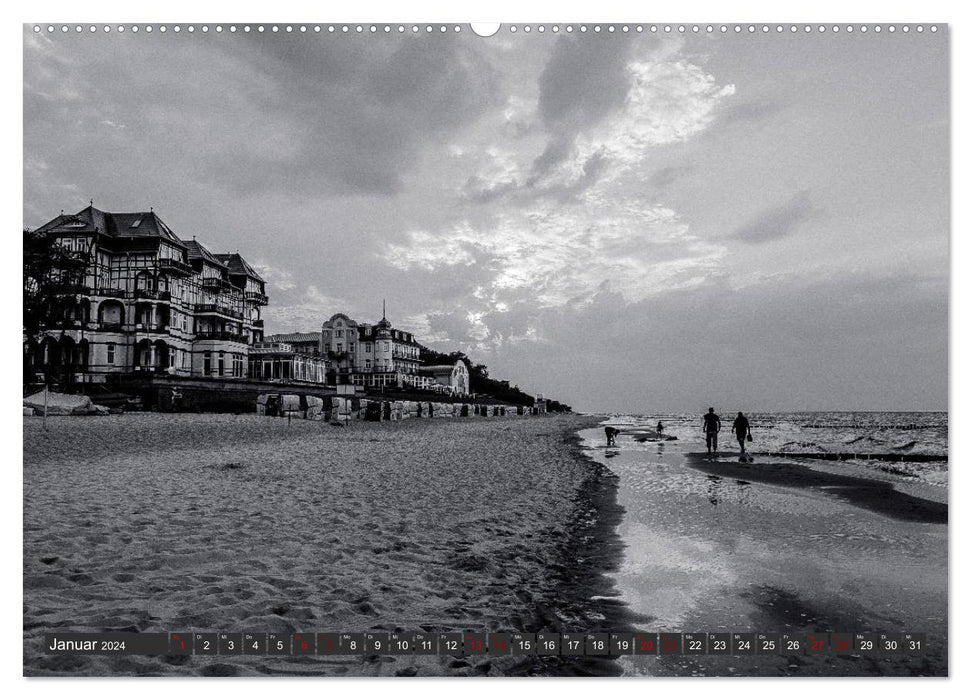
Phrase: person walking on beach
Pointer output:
(712, 424)
(742, 431)
(660, 429)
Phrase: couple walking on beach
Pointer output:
(712, 425)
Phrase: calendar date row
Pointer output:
(487, 643)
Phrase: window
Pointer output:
(340, 347)
(350, 347)
(367, 364)
(339, 333)
(326, 347)
(185, 358)
(367, 347)
(184, 322)
(207, 363)
(111, 353)
(221, 364)
(172, 357)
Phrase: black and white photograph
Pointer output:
(523, 349)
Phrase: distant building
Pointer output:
(145, 301)
(452, 378)
(370, 355)
(283, 362)
(304, 343)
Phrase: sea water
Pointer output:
(858, 432)
(724, 553)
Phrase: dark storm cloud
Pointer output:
(583, 82)
(360, 113)
(558, 149)
(777, 222)
(479, 191)
(300, 114)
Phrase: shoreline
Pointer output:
(723, 546)
(463, 525)
(592, 551)
(872, 494)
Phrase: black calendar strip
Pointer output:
(482, 643)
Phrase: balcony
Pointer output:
(209, 309)
(222, 335)
(65, 324)
(215, 283)
(258, 323)
(174, 267)
(151, 328)
(152, 294)
(69, 289)
(111, 327)
(257, 298)
(109, 292)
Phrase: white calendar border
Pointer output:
(603, 11)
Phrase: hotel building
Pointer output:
(369, 355)
(142, 300)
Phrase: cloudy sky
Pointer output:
(626, 222)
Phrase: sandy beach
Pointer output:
(776, 546)
(518, 524)
(436, 525)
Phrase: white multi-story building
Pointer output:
(370, 355)
(142, 300)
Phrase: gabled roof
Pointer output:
(196, 251)
(238, 266)
(140, 225)
(117, 225)
(87, 220)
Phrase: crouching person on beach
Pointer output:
(611, 435)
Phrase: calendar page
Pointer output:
(485, 350)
